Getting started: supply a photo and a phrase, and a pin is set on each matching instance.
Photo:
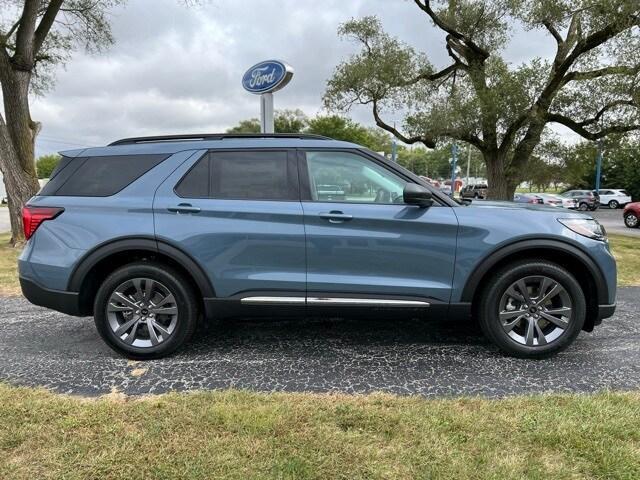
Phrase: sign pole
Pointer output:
(266, 113)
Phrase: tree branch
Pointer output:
(578, 127)
(426, 7)
(590, 75)
(45, 24)
(23, 57)
(430, 76)
(552, 30)
(427, 141)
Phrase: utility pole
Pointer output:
(468, 162)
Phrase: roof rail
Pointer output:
(213, 136)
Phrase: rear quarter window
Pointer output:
(99, 176)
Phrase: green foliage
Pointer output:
(334, 126)
(45, 165)
(285, 121)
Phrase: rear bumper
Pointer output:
(65, 302)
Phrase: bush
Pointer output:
(45, 165)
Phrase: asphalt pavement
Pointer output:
(5, 225)
(39, 347)
(614, 223)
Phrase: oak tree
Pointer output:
(591, 85)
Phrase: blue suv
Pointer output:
(148, 235)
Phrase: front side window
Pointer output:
(241, 175)
(346, 177)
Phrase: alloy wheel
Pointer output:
(631, 220)
(142, 312)
(535, 311)
(613, 204)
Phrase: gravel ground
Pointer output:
(44, 348)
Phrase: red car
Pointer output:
(631, 214)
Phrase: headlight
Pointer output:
(586, 227)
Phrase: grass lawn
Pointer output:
(627, 253)
(8, 274)
(235, 434)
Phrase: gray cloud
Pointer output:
(178, 69)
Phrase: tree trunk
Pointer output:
(17, 140)
(501, 184)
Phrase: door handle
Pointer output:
(335, 216)
(184, 208)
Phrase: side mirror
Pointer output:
(415, 194)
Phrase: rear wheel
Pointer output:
(631, 220)
(583, 207)
(145, 310)
(532, 309)
(613, 204)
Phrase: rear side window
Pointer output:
(242, 175)
(99, 176)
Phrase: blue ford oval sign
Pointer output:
(267, 76)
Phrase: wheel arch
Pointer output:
(105, 258)
(586, 271)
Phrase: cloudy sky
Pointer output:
(175, 69)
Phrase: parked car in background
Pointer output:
(587, 200)
(150, 235)
(631, 215)
(474, 191)
(613, 198)
(557, 201)
(527, 198)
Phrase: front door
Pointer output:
(364, 245)
(237, 213)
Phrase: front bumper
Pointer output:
(65, 302)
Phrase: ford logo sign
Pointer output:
(267, 76)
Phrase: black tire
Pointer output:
(613, 204)
(631, 220)
(583, 207)
(497, 286)
(476, 196)
(185, 301)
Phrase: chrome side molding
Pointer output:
(273, 300)
(365, 302)
(372, 302)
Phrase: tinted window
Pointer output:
(241, 175)
(345, 177)
(195, 184)
(100, 176)
(259, 175)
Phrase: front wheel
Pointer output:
(532, 309)
(631, 220)
(613, 204)
(145, 310)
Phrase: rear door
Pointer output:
(238, 214)
(367, 246)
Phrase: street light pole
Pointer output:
(598, 166)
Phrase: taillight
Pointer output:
(32, 217)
